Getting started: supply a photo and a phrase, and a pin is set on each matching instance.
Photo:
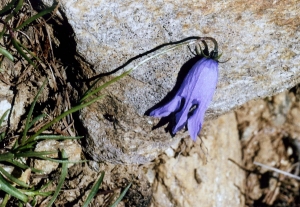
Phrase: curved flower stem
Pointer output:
(163, 52)
(92, 91)
(205, 51)
(214, 53)
(211, 39)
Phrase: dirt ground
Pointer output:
(269, 133)
(268, 128)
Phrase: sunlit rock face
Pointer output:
(261, 40)
(203, 177)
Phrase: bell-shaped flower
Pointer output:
(193, 97)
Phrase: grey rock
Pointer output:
(262, 40)
(212, 174)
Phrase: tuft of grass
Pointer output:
(22, 150)
(12, 9)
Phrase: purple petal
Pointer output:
(203, 97)
(199, 84)
(195, 121)
(165, 110)
(198, 89)
(202, 75)
(181, 117)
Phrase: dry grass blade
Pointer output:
(277, 170)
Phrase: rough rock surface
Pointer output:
(200, 174)
(262, 40)
(6, 94)
(72, 149)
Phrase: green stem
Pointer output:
(214, 53)
(164, 51)
(211, 39)
(5, 200)
(70, 111)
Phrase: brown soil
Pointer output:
(269, 132)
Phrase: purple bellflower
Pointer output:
(193, 97)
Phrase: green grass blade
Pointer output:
(34, 201)
(16, 10)
(27, 124)
(64, 171)
(2, 136)
(22, 53)
(94, 190)
(19, 6)
(23, 166)
(3, 32)
(33, 55)
(90, 93)
(56, 137)
(45, 186)
(36, 193)
(3, 116)
(13, 179)
(121, 196)
(5, 200)
(17, 164)
(8, 7)
(6, 54)
(36, 119)
(66, 113)
(8, 188)
(26, 147)
(7, 156)
(33, 18)
(34, 154)
(58, 160)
